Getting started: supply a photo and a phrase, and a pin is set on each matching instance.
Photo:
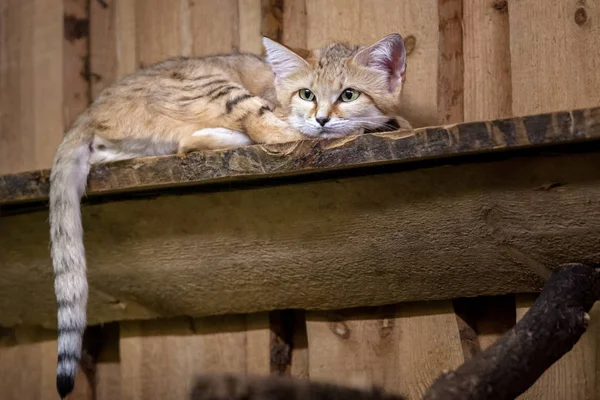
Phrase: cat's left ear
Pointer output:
(387, 56)
(284, 61)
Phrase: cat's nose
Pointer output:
(322, 120)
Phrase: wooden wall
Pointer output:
(468, 60)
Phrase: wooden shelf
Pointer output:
(396, 217)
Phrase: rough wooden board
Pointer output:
(31, 70)
(250, 38)
(364, 22)
(214, 26)
(450, 87)
(318, 155)
(34, 352)
(159, 31)
(402, 348)
(436, 233)
(486, 45)
(76, 59)
(103, 45)
(554, 54)
(294, 24)
(574, 376)
(160, 360)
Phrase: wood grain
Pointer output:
(160, 30)
(450, 88)
(364, 22)
(214, 27)
(32, 350)
(311, 156)
(76, 59)
(554, 55)
(575, 375)
(294, 24)
(160, 359)
(487, 60)
(250, 37)
(499, 223)
(31, 73)
(402, 348)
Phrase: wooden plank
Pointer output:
(214, 26)
(31, 39)
(160, 30)
(249, 15)
(434, 233)
(364, 22)
(112, 48)
(487, 65)
(311, 156)
(540, 30)
(574, 376)
(76, 59)
(160, 359)
(103, 50)
(294, 24)
(450, 90)
(401, 348)
(34, 352)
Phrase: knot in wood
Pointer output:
(409, 44)
(340, 329)
(580, 16)
(500, 5)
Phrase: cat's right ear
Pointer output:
(284, 61)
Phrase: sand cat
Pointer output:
(214, 102)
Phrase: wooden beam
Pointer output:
(458, 229)
(309, 156)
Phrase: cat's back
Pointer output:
(163, 97)
(193, 73)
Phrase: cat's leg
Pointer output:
(213, 139)
(263, 126)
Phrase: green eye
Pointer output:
(349, 95)
(306, 94)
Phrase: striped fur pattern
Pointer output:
(216, 102)
(239, 387)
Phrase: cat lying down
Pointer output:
(214, 102)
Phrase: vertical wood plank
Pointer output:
(554, 55)
(103, 42)
(403, 348)
(272, 19)
(364, 22)
(76, 59)
(34, 352)
(159, 359)
(112, 42)
(487, 77)
(294, 24)
(158, 30)
(450, 62)
(575, 376)
(47, 78)
(214, 26)
(249, 14)
(31, 76)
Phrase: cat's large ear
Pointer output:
(387, 56)
(284, 61)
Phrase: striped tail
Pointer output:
(67, 185)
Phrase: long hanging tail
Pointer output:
(67, 185)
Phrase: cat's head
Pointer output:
(339, 90)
